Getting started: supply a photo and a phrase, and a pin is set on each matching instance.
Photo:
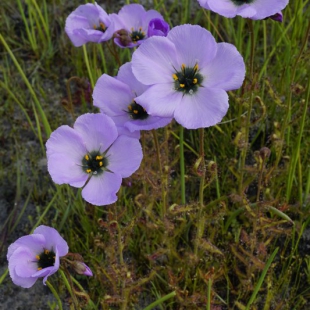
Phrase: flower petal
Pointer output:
(120, 122)
(52, 239)
(160, 99)
(101, 190)
(131, 15)
(35, 243)
(205, 108)
(112, 96)
(64, 170)
(223, 7)
(126, 75)
(124, 156)
(24, 282)
(227, 69)
(152, 122)
(154, 61)
(65, 150)
(194, 45)
(24, 262)
(98, 131)
(268, 8)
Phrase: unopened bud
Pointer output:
(81, 268)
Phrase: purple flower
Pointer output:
(188, 74)
(253, 9)
(92, 155)
(116, 98)
(89, 23)
(158, 27)
(278, 17)
(35, 256)
(135, 22)
(82, 269)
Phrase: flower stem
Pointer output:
(50, 286)
(248, 120)
(162, 177)
(90, 74)
(69, 285)
(201, 220)
(182, 168)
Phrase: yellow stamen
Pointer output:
(46, 252)
(86, 157)
(37, 257)
(183, 67)
(99, 157)
(95, 27)
(135, 111)
(182, 85)
(39, 268)
(100, 163)
(196, 67)
(175, 77)
(102, 25)
(195, 81)
(129, 107)
(88, 170)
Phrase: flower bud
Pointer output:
(82, 268)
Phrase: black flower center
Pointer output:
(94, 163)
(240, 2)
(136, 111)
(46, 259)
(137, 35)
(102, 27)
(187, 80)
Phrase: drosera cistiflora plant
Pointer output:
(215, 218)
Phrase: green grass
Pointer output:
(216, 219)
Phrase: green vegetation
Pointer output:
(226, 229)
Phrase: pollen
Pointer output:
(135, 111)
(102, 25)
(37, 257)
(130, 107)
(39, 268)
(175, 77)
(182, 85)
(99, 157)
(86, 157)
(46, 252)
(100, 163)
(195, 81)
(88, 170)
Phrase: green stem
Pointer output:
(261, 279)
(182, 168)
(45, 122)
(161, 300)
(69, 285)
(50, 286)
(201, 220)
(248, 120)
(88, 66)
(163, 188)
(209, 294)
